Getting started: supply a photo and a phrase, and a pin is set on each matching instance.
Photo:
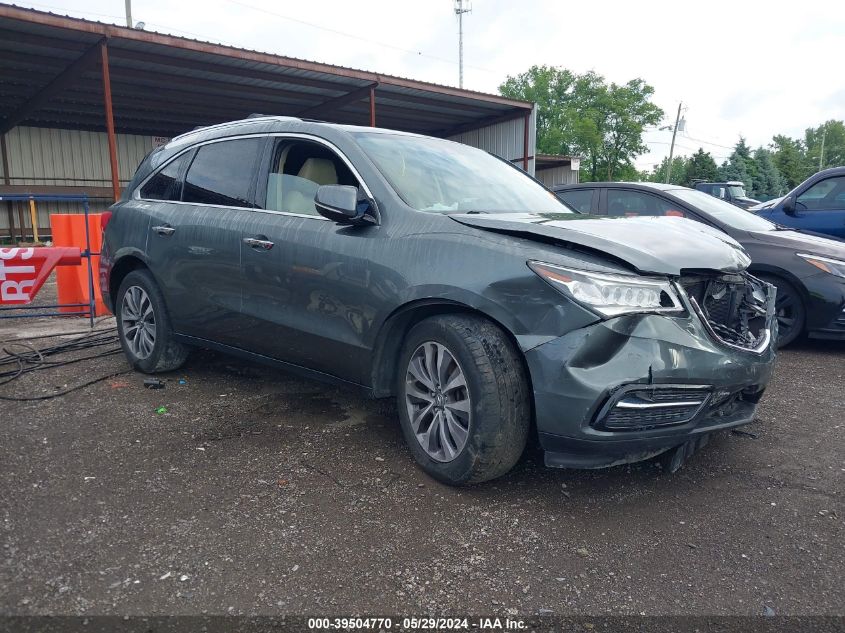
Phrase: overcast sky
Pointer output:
(751, 68)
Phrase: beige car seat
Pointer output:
(317, 170)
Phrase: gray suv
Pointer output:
(432, 272)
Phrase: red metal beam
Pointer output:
(104, 59)
(55, 190)
(373, 105)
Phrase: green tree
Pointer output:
(679, 170)
(700, 166)
(583, 114)
(739, 166)
(790, 158)
(834, 145)
(550, 88)
(742, 149)
(767, 183)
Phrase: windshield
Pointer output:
(736, 191)
(441, 176)
(723, 212)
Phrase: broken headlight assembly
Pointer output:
(610, 294)
(829, 265)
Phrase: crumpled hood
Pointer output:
(652, 245)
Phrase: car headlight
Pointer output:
(827, 264)
(610, 294)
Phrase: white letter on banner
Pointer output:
(15, 290)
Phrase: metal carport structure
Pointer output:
(72, 74)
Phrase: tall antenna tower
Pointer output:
(461, 7)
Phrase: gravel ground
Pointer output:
(259, 493)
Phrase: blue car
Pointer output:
(817, 204)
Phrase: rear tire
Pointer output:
(143, 326)
(477, 384)
(789, 310)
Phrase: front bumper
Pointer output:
(579, 377)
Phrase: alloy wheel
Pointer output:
(438, 402)
(785, 311)
(138, 320)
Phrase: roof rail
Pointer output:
(256, 115)
(218, 126)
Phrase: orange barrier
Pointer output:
(72, 281)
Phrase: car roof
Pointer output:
(268, 124)
(830, 171)
(646, 186)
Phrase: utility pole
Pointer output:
(461, 7)
(821, 153)
(129, 13)
(672, 146)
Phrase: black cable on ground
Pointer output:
(38, 359)
(66, 391)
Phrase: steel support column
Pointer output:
(7, 180)
(372, 106)
(525, 136)
(104, 59)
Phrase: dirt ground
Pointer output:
(239, 489)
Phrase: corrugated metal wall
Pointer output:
(505, 140)
(557, 176)
(43, 156)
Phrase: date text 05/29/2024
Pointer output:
(416, 624)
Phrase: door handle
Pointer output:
(164, 229)
(258, 244)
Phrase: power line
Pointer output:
(698, 140)
(359, 37)
(166, 28)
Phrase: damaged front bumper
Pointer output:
(632, 387)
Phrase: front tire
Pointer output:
(143, 326)
(463, 399)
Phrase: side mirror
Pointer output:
(340, 204)
(788, 205)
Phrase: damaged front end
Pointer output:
(637, 385)
(737, 310)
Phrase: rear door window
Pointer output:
(626, 202)
(579, 199)
(222, 173)
(166, 183)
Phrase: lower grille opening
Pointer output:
(651, 407)
(736, 309)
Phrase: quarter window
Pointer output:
(222, 173)
(165, 184)
(579, 199)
